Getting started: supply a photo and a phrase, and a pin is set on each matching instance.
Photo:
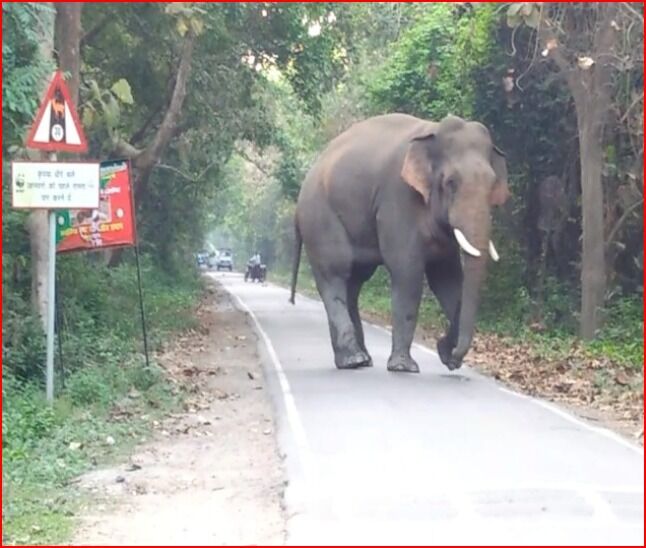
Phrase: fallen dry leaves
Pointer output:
(595, 388)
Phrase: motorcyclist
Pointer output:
(253, 267)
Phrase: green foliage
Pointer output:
(24, 26)
(430, 70)
(523, 12)
(104, 371)
(44, 446)
(23, 343)
(621, 338)
(103, 109)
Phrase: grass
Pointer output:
(45, 447)
(107, 404)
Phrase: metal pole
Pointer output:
(51, 301)
(141, 304)
(51, 305)
(59, 329)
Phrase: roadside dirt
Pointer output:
(212, 475)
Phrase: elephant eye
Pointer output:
(451, 184)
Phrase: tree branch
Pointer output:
(96, 29)
(145, 161)
(249, 159)
(546, 34)
(139, 134)
(164, 134)
(187, 176)
(620, 222)
(122, 147)
(640, 16)
(175, 170)
(632, 105)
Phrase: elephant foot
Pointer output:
(353, 360)
(444, 350)
(455, 362)
(402, 364)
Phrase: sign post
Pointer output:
(51, 301)
(52, 185)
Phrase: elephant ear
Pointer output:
(416, 171)
(500, 192)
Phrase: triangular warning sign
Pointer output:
(57, 126)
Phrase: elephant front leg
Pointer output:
(406, 296)
(446, 344)
(445, 280)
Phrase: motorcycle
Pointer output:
(255, 272)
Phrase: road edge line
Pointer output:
(293, 418)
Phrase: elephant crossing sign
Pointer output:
(57, 126)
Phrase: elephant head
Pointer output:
(460, 175)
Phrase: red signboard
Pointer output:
(57, 126)
(111, 225)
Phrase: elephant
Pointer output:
(415, 196)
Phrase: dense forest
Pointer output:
(571, 130)
(221, 109)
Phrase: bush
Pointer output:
(26, 416)
(23, 345)
(621, 338)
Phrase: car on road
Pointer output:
(224, 261)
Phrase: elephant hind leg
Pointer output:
(348, 353)
(331, 257)
(359, 276)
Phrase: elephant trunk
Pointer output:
(474, 268)
(474, 273)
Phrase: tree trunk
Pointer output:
(592, 92)
(37, 223)
(593, 264)
(67, 39)
(65, 31)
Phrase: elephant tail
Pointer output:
(298, 246)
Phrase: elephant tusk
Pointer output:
(493, 253)
(464, 243)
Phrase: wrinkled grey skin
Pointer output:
(389, 191)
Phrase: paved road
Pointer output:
(437, 458)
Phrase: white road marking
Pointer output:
(571, 418)
(293, 418)
(601, 507)
(541, 403)
(462, 502)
